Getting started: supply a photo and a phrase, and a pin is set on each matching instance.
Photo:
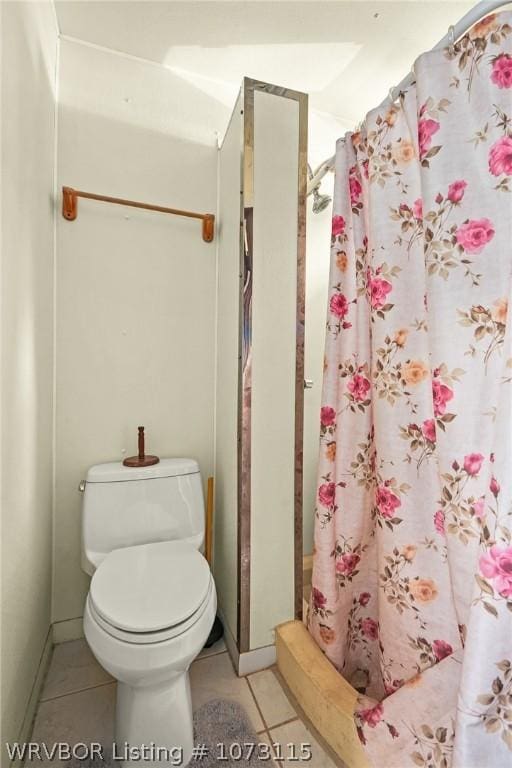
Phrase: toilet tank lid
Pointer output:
(115, 471)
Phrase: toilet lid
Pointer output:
(151, 586)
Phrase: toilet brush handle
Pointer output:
(141, 443)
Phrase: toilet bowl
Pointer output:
(148, 614)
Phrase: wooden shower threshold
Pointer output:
(326, 697)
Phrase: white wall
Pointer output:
(135, 289)
(323, 133)
(318, 241)
(29, 52)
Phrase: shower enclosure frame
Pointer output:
(250, 87)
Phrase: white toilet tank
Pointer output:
(124, 506)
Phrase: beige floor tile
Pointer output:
(271, 698)
(87, 716)
(264, 739)
(218, 647)
(297, 734)
(213, 677)
(72, 668)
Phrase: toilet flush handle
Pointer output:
(81, 487)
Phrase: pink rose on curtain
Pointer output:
(379, 290)
(338, 225)
(500, 157)
(354, 185)
(373, 716)
(426, 129)
(501, 74)
(473, 463)
(358, 386)
(347, 563)
(370, 628)
(439, 521)
(338, 305)
(319, 599)
(441, 649)
(364, 598)
(442, 394)
(326, 494)
(386, 501)
(474, 234)
(355, 190)
(494, 487)
(428, 429)
(327, 416)
(497, 565)
(417, 209)
(478, 507)
(456, 191)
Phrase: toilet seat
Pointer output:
(150, 592)
(143, 638)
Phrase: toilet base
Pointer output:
(156, 719)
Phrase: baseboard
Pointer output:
(250, 661)
(30, 712)
(324, 695)
(69, 629)
(256, 660)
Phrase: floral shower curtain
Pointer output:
(412, 577)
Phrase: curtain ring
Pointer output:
(451, 38)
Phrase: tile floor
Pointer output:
(78, 699)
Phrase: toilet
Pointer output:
(152, 599)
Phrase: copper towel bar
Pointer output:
(70, 208)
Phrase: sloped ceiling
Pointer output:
(346, 55)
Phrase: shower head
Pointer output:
(320, 202)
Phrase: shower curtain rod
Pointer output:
(70, 209)
(454, 32)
